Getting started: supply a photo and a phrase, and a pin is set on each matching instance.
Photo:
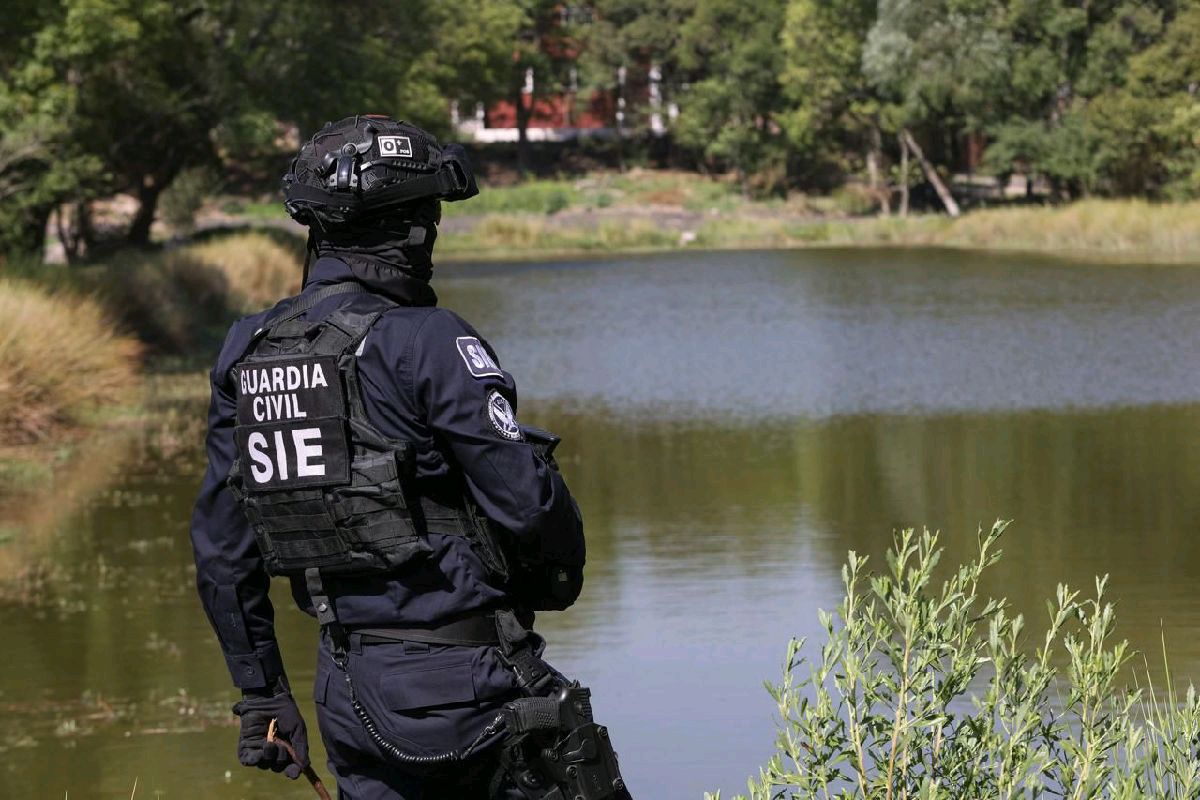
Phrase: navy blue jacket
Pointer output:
(420, 383)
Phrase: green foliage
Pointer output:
(637, 35)
(852, 200)
(939, 61)
(830, 102)
(931, 691)
(41, 163)
(106, 96)
(181, 301)
(186, 195)
(1101, 102)
(99, 97)
(730, 112)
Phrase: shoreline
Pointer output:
(1109, 231)
(1095, 255)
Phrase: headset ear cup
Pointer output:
(455, 157)
(345, 172)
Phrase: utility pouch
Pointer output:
(556, 751)
(485, 541)
(542, 584)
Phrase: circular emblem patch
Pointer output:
(504, 420)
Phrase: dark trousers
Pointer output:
(425, 699)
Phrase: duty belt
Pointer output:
(519, 648)
(473, 631)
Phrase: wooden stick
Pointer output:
(309, 772)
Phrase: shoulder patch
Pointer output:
(502, 416)
(479, 362)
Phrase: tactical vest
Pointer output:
(321, 486)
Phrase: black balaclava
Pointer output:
(392, 254)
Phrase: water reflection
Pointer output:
(720, 497)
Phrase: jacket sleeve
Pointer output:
(470, 403)
(230, 575)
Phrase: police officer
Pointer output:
(365, 443)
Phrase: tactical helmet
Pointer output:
(366, 166)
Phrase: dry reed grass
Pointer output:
(60, 358)
(258, 269)
(513, 234)
(1112, 226)
(1120, 229)
(180, 301)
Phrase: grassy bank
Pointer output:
(1100, 228)
(655, 210)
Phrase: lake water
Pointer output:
(734, 422)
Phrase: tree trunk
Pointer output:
(139, 229)
(66, 237)
(87, 231)
(31, 239)
(523, 114)
(620, 119)
(931, 174)
(75, 232)
(873, 173)
(903, 177)
(522, 137)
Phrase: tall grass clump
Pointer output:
(259, 269)
(545, 196)
(60, 359)
(927, 691)
(180, 301)
(505, 234)
(1131, 227)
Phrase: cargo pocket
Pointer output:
(429, 687)
(321, 687)
(425, 703)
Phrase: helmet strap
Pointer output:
(310, 248)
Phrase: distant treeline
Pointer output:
(100, 97)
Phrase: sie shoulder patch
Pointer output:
(479, 362)
(503, 417)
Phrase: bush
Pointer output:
(878, 713)
(185, 197)
(260, 269)
(854, 200)
(168, 300)
(180, 301)
(60, 359)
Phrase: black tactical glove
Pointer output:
(254, 750)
